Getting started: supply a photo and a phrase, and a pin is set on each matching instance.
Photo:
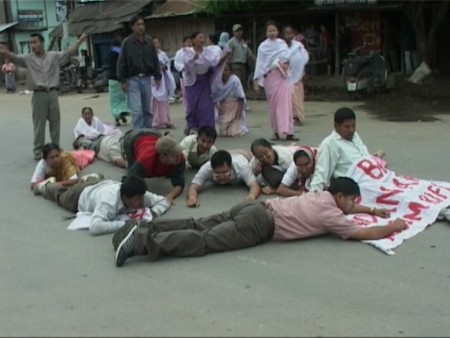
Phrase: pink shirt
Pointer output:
(309, 215)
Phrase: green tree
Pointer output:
(217, 7)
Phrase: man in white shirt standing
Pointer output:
(223, 168)
(339, 150)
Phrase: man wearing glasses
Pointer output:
(223, 168)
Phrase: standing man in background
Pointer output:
(240, 55)
(43, 79)
(138, 61)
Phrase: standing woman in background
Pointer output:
(199, 63)
(118, 101)
(161, 93)
(179, 66)
(299, 59)
(272, 73)
(9, 69)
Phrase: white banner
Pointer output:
(416, 201)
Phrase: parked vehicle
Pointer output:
(71, 77)
(364, 72)
(98, 78)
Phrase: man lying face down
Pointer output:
(251, 223)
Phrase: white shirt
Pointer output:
(299, 59)
(216, 49)
(240, 172)
(336, 155)
(190, 144)
(178, 61)
(292, 175)
(103, 200)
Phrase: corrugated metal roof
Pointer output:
(4, 27)
(101, 17)
(176, 8)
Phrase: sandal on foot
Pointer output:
(292, 138)
(275, 137)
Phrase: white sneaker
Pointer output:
(39, 188)
(92, 176)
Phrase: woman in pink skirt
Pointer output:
(272, 73)
(161, 93)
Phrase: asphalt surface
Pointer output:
(56, 282)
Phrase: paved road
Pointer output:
(60, 283)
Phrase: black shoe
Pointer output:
(117, 123)
(123, 118)
(125, 249)
(120, 234)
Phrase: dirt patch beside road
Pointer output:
(403, 102)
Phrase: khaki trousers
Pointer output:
(67, 197)
(245, 225)
(45, 106)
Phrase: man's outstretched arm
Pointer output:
(380, 231)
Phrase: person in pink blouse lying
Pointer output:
(252, 223)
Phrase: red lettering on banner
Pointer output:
(391, 236)
(387, 197)
(416, 209)
(429, 198)
(404, 185)
(409, 178)
(434, 189)
(364, 220)
(371, 169)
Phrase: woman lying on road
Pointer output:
(297, 178)
(270, 163)
(58, 164)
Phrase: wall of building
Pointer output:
(172, 30)
(50, 21)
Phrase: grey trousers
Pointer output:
(45, 106)
(245, 225)
(67, 197)
(240, 70)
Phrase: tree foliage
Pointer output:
(217, 7)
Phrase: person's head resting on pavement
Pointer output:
(263, 152)
(132, 192)
(206, 138)
(344, 191)
(345, 123)
(221, 166)
(169, 150)
(51, 153)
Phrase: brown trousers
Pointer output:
(245, 225)
(67, 197)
